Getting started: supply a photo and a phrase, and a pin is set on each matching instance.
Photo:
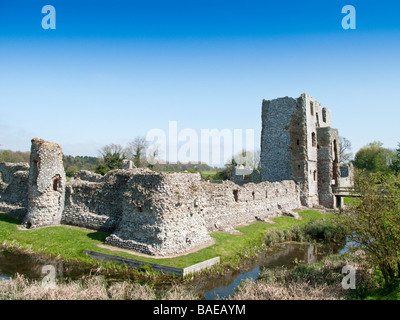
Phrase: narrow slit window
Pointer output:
(314, 139)
(56, 182)
(236, 195)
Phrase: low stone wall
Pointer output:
(88, 220)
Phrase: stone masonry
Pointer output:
(298, 143)
(46, 185)
(14, 188)
(150, 212)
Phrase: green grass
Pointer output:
(352, 201)
(69, 242)
(207, 174)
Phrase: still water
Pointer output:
(210, 287)
(286, 255)
(31, 266)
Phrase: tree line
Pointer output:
(112, 155)
(373, 157)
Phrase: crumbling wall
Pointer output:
(158, 216)
(290, 145)
(275, 155)
(46, 185)
(328, 166)
(93, 201)
(150, 212)
(171, 213)
(14, 188)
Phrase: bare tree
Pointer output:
(345, 150)
(137, 151)
(112, 149)
(257, 160)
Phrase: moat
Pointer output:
(210, 287)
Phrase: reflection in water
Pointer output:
(288, 255)
(31, 266)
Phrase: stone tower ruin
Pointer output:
(298, 143)
(46, 185)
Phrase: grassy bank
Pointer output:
(68, 242)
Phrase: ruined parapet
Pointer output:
(87, 175)
(14, 188)
(46, 185)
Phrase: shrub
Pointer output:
(375, 223)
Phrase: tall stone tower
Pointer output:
(298, 143)
(46, 185)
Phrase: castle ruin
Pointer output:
(170, 213)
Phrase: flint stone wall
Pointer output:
(46, 185)
(150, 212)
(93, 201)
(166, 214)
(14, 188)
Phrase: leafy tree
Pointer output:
(226, 173)
(396, 160)
(73, 164)
(374, 226)
(14, 156)
(102, 169)
(247, 159)
(111, 158)
(374, 158)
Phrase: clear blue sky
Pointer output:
(113, 70)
